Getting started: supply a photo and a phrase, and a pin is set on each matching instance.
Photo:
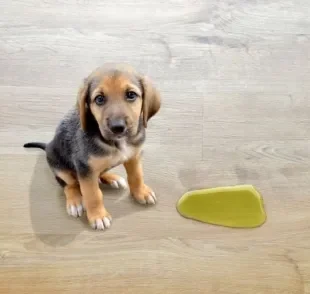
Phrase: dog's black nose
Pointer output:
(117, 126)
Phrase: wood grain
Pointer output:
(234, 76)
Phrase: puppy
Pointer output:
(104, 130)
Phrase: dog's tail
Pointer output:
(35, 145)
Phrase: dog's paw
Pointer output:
(74, 205)
(114, 181)
(144, 195)
(100, 221)
(101, 224)
(75, 210)
(119, 184)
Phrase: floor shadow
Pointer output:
(49, 218)
(47, 208)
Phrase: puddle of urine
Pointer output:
(236, 207)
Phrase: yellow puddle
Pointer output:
(236, 207)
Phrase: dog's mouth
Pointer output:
(109, 136)
(117, 137)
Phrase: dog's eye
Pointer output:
(100, 99)
(131, 96)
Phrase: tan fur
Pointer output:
(92, 199)
(72, 189)
(66, 176)
(115, 87)
(81, 103)
(134, 171)
(109, 178)
(100, 164)
(73, 195)
(151, 101)
(92, 196)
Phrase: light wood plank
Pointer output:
(234, 76)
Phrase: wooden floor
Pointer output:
(234, 76)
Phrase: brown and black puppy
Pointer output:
(105, 129)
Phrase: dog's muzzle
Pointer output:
(117, 126)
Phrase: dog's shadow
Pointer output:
(49, 218)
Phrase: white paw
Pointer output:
(149, 199)
(119, 184)
(75, 210)
(101, 224)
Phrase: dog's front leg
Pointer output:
(97, 215)
(141, 192)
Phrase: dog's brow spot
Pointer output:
(118, 83)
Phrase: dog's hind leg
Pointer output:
(72, 192)
(113, 180)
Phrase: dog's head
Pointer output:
(117, 98)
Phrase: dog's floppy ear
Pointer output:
(151, 100)
(82, 102)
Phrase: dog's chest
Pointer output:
(122, 154)
(117, 155)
